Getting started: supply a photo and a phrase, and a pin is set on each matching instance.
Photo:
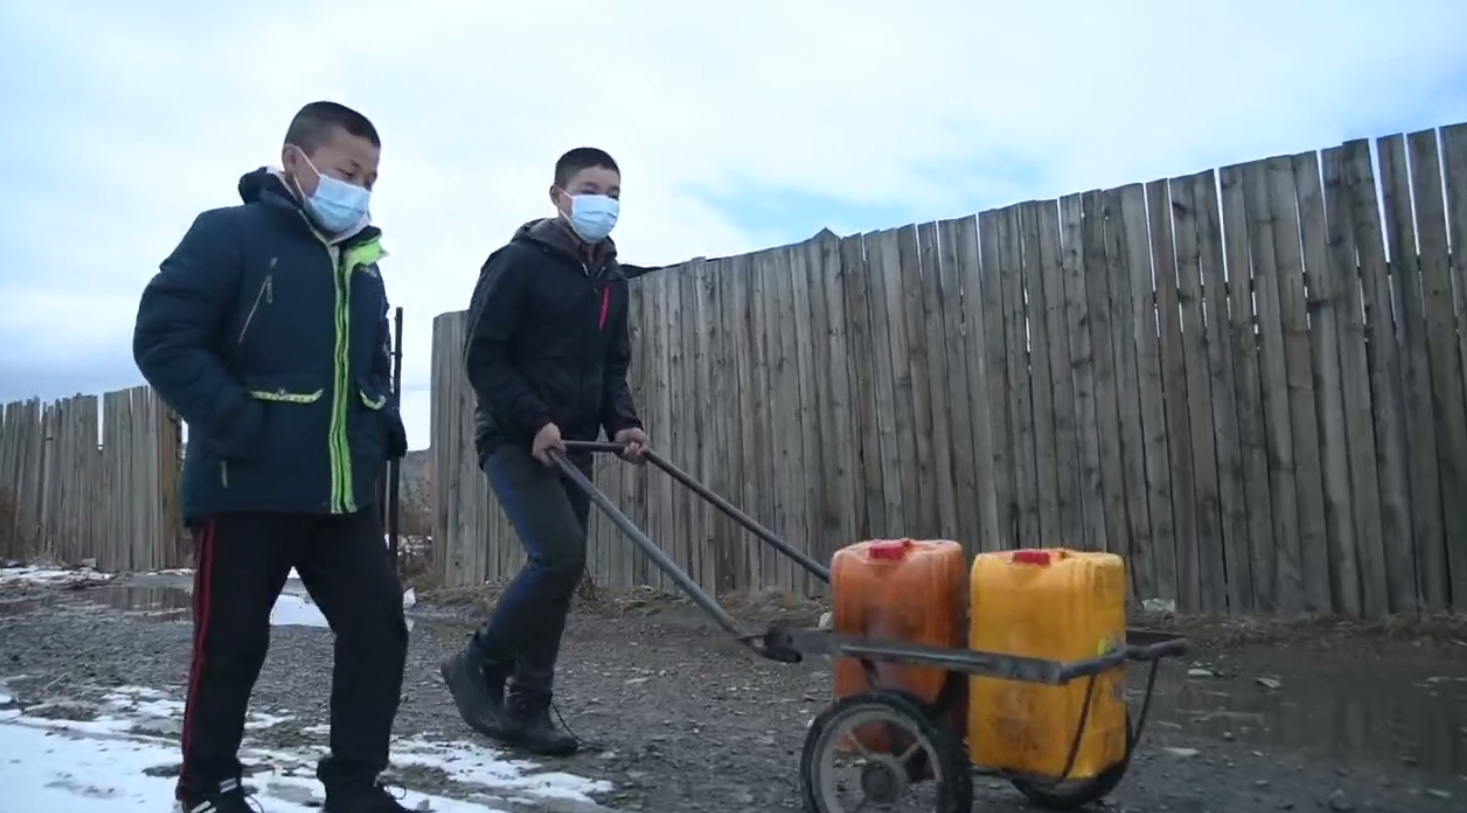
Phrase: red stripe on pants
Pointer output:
(202, 578)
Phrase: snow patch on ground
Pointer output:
(122, 758)
(35, 574)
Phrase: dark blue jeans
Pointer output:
(549, 514)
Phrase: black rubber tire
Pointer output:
(954, 794)
(1075, 795)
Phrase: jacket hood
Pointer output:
(267, 185)
(553, 234)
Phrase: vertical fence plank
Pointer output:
(1082, 358)
(1388, 505)
(878, 247)
(1152, 520)
(1454, 163)
(913, 377)
(1174, 386)
(1212, 566)
(1020, 392)
(1427, 590)
(1102, 345)
(864, 383)
(962, 409)
(968, 282)
(1051, 282)
(1445, 354)
(1273, 375)
(939, 379)
(1325, 339)
(1299, 374)
(1031, 217)
(1136, 544)
(997, 384)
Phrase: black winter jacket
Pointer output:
(271, 342)
(548, 340)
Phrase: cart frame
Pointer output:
(792, 645)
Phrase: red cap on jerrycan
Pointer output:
(889, 550)
(1039, 558)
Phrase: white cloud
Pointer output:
(929, 107)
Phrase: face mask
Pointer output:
(337, 205)
(592, 217)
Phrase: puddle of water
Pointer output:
(1348, 710)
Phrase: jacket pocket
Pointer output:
(297, 419)
(369, 418)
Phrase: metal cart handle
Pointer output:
(801, 558)
(759, 642)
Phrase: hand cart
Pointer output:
(932, 753)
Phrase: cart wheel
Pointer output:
(1076, 793)
(925, 767)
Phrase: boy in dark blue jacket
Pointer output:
(547, 355)
(266, 330)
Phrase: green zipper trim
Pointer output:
(343, 501)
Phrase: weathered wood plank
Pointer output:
(1378, 567)
(1252, 441)
(1273, 375)
(1031, 218)
(864, 385)
(1020, 391)
(1082, 361)
(1174, 384)
(1425, 543)
(1135, 544)
(1340, 511)
(880, 251)
(996, 383)
(1151, 520)
(1231, 502)
(1454, 165)
(935, 340)
(968, 279)
(1212, 565)
(962, 408)
(913, 344)
(1071, 526)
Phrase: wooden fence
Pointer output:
(1247, 381)
(93, 478)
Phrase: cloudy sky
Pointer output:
(736, 126)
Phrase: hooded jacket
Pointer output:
(271, 341)
(548, 340)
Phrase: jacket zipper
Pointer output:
(266, 293)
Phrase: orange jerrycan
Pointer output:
(1058, 605)
(898, 589)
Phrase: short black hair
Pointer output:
(582, 158)
(315, 124)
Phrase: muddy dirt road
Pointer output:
(679, 719)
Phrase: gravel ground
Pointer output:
(679, 718)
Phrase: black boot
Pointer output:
(228, 797)
(477, 686)
(528, 725)
(365, 798)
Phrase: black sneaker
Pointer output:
(229, 798)
(373, 798)
(477, 687)
(527, 725)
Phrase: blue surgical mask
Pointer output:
(337, 205)
(592, 217)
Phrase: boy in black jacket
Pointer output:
(547, 356)
(266, 329)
